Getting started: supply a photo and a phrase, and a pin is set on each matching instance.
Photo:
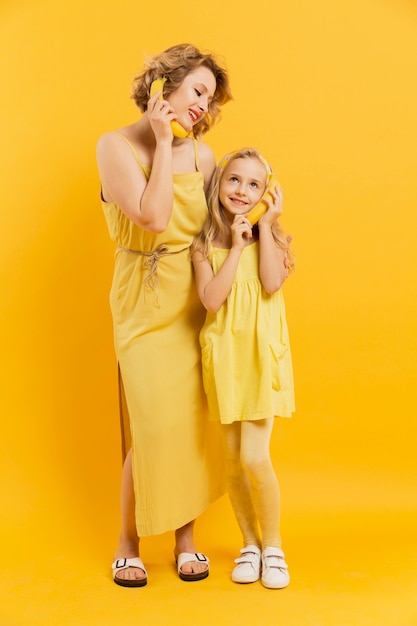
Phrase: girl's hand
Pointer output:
(160, 114)
(241, 229)
(274, 200)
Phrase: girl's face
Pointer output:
(242, 185)
(192, 98)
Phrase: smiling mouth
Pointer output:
(238, 202)
(194, 116)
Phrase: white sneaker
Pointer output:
(248, 568)
(274, 569)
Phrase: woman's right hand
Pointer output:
(160, 114)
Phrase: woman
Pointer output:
(153, 196)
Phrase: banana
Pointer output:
(259, 209)
(177, 129)
(157, 85)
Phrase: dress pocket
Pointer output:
(278, 370)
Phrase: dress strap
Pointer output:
(196, 153)
(135, 152)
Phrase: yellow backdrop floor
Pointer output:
(346, 571)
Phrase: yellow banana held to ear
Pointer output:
(177, 129)
(259, 209)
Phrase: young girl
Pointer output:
(247, 367)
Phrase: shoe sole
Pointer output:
(244, 582)
(269, 586)
(189, 578)
(138, 582)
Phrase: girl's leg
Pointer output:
(128, 546)
(238, 485)
(257, 464)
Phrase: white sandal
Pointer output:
(120, 564)
(248, 568)
(189, 557)
(274, 569)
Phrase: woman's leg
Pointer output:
(238, 485)
(128, 546)
(264, 487)
(184, 542)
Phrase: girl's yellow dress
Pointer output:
(157, 316)
(247, 367)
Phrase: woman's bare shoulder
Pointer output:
(205, 152)
(115, 136)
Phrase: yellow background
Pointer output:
(327, 91)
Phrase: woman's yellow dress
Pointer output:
(157, 316)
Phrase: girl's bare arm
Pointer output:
(272, 258)
(214, 289)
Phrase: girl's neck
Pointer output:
(225, 241)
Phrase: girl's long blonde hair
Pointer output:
(217, 226)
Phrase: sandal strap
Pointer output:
(120, 564)
(189, 557)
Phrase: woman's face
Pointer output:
(192, 98)
(242, 185)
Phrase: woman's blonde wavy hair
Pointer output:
(174, 64)
(217, 226)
